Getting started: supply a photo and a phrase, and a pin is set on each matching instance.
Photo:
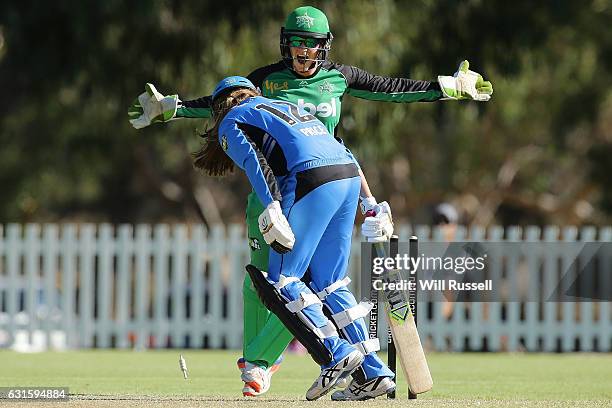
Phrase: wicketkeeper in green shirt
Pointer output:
(306, 77)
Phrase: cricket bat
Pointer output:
(404, 330)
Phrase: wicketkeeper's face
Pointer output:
(304, 53)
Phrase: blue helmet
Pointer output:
(232, 82)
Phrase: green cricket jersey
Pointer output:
(265, 337)
(322, 94)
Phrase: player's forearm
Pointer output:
(196, 108)
(241, 149)
(263, 181)
(425, 92)
(202, 107)
(183, 112)
(258, 172)
(365, 188)
(363, 84)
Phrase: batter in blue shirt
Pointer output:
(309, 184)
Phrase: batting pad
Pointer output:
(273, 300)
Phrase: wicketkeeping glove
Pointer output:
(466, 84)
(151, 107)
(378, 224)
(275, 228)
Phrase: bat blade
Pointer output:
(405, 334)
(411, 354)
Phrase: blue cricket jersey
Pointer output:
(271, 139)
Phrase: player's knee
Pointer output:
(291, 311)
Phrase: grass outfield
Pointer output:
(152, 378)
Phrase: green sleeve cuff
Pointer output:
(203, 113)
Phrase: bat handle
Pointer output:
(370, 213)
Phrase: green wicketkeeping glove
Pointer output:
(151, 107)
(466, 84)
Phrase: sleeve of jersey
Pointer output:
(362, 84)
(247, 156)
(201, 107)
(196, 108)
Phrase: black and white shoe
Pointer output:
(330, 376)
(372, 388)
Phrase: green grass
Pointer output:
(460, 379)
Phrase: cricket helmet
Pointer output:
(232, 82)
(306, 27)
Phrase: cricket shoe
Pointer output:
(343, 383)
(372, 388)
(257, 380)
(330, 376)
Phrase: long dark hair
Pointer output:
(211, 158)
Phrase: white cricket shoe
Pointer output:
(256, 380)
(372, 388)
(343, 382)
(329, 377)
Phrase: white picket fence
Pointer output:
(526, 325)
(69, 286)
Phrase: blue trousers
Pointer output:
(323, 222)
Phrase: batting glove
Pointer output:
(275, 228)
(378, 224)
(152, 107)
(466, 84)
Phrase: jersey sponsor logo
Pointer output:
(304, 21)
(272, 87)
(302, 84)
(316, 130)
(322, 110)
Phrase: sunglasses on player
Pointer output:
(295, 41)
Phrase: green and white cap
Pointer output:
(308, 20)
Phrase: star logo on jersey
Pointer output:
(224, 143)
(326, 87)
(303, 84)
(254, 244)
(304, 21)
